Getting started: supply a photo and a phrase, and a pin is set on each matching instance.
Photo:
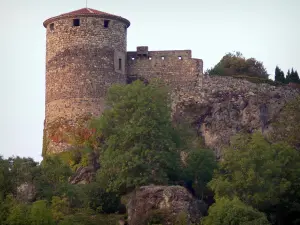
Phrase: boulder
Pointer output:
(147, 201)
(83, 175)
(26, 192)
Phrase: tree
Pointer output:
(5, 206)
(293, 78)
(19, 215)
(59, 208)
(236, 64)
(101, 201)
(5, 178)
(40, 214)
(259, 173)
(279, 75)
(288, 77)
(139, 146)
(53, 175)
(200, 167)
(233, 212)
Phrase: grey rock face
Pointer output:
(26, 192)
(219, 107)
(174, 199)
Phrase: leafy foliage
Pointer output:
(233, 212)
(40, 214)
(101, 201)
(53, 175)
(292, 77)
(139, 143)
(259, 173)
(59, 208)
(201, 164)
(19, 215)
(279, 75)
(236, 64)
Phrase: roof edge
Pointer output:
(55, 18)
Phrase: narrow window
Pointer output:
(120, 64)
(76, 22)
(179, 57)
(163, 58)
(52, 26)
(106, 23)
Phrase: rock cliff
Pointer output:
(219, 107)
(147, 201)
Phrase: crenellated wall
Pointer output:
(173, 67)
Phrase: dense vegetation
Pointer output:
(291, 76)
(236, 65)
(233, 64)
(256, 182)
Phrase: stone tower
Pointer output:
(85, 55)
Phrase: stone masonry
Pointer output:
(173, 67)
(86, 53)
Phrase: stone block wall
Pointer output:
(175, 67)
(82, 62)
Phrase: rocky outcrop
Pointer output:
(170, 199)
(83, 175)
(219, 107)
(26, 192)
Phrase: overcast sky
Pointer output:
(268, 30)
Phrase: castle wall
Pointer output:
(173, 67)
(82, 62)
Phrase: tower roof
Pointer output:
(86, 12)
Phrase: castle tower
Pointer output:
(85, 55)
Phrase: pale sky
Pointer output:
(268, 30)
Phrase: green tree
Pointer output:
(5, 178)
(260, 173)
(52, 176)
(293, 77)
(59, 208)
(236, 64)
(288, 77)
(139, 142)
(233, 212)
(100, 200)
(19, 215)
(279, 75)
(40, 214)
(5, 206)
(201, 164)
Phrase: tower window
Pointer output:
(106, 23)
(52, 26)
(120, 64)
(76, 22)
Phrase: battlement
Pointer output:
(171, 66)
(143, 53)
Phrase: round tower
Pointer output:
(85, 55)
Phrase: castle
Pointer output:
(86, 53)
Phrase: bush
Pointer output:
(100, 200)
(233, 212)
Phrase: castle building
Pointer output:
(86, 52)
